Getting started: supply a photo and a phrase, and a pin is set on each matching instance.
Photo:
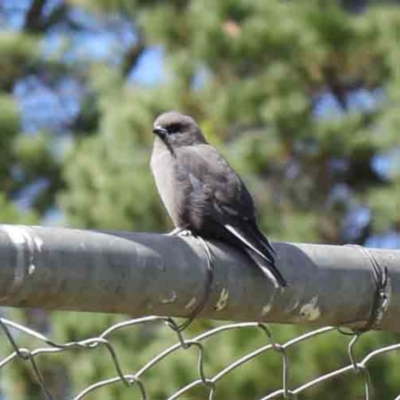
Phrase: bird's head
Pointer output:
(176, 130)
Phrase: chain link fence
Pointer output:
(358, 367)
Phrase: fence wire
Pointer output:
(360, 367)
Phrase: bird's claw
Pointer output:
(185, 233)
(180, 232)
(173, 232)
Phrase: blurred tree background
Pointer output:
(301, 96)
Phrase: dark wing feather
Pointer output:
(221, 195)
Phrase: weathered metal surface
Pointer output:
(144, 274)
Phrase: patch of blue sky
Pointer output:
(381, 164)
(47, 107)
(13, 13)
(150, 70)
(53, 217)
(52, 108)
(360, 99)
(23, 200)
(201, 78)
(83, 47)
(326, 105)
(357, 218)
(150, 67)
(50, 5)
(387, 164)
(363, 99)
(386, 240)
(100, 38)
(340, 193)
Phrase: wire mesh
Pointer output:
(210, 383)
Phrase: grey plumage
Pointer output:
(203, 194)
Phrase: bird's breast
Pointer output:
(163, 166)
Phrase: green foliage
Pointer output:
(9, 119)
(98, 172)
(9, 214)
(19, 53)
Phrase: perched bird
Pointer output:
(203, 194)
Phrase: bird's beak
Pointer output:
(160, 131)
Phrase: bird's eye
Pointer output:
(174, 128)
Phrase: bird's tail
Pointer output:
(268, 269)
(260, 251)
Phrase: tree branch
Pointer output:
(33, 16)
(132, 56)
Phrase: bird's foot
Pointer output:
(180, 232)
(185, 233)
(174, 232)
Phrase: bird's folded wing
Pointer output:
(229, 202)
